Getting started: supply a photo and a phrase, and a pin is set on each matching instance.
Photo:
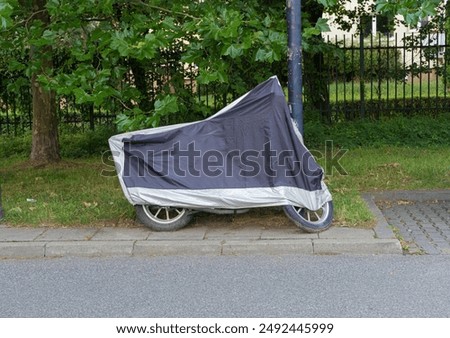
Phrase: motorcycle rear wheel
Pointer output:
(312, 221)
(163, 218)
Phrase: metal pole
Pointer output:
(295, 80)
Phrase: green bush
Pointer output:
(73, 145)
(19, 145)
(85, 144)
(398, 131)
(375, 109)
(415, 131)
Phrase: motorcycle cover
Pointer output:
(249, 154)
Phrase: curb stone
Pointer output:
(268, 247)
(20, 250)
(128, 248)
(175, 248)
(382, 228)
(89, 248)
(355, 246)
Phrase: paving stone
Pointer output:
(347, 233)
(441, 243)
(20, 234)
(422, 222)
(445, 251)
(187, 234)
(414, 196)
(121, 234)
(234, 233)
(67, 234)
(284, 233)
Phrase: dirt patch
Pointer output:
(261, 217)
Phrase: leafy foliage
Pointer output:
(115, 53)
(411, 10)
(134, 56)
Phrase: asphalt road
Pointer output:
(263, 286)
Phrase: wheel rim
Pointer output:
(313, 216)
(164, 215)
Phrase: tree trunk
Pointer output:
(45, 144)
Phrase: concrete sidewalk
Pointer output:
(226, 240)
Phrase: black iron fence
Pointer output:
(373, 77)
(383, 75)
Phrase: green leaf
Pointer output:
(231, 22)
(382, 6)
(265, 55)
(222, 76)
(207, 77)
(234, 51)
(81, 96)
(189, 57)
(169, 23)
(267, 21)
(411, 19)
(153, 121)
(327, 3)
(119, 44)
(310, 31)
(322, 25)
(429, 8)
(15, 65)
(144, 50)
(167, 105)
(6, 10)
(107, 6)
(122, 122)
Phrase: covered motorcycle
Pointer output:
(250, 154)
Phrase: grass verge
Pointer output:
(385, 168)
(76, 193)
(70, 193)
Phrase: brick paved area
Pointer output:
(423, 224)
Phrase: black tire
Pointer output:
(311, 220)
(163, 218)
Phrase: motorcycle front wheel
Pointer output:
(311, 220)
(163, 218)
